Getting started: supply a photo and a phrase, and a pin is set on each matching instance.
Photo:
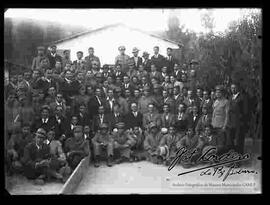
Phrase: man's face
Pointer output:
(40, 52)
(91, 52)
(176, 67)
(80, 76)
(110, 94)
(199, 93)
(20, 78)
(204, 110)
(122, 52)
(136, 93)
(26, 130)
(134, 108)
(126, 80)
(45, 114)
(11, 98)
(98, 92)
(66, 54)
(195, 110)
(127, 93)
(156, 50)
(164, 93)
(172, 79)
(184, 78)
(52, 91)
(171, 130)
(94, 65)
(53, 49)
(27, 75)
(44, 63)
(135, 54)
(207, 131)
(154, 130)
(135, 80)
(169, 52)
(89, 90)
(39, 139)
(82, 109)
(167, 79)
(50, 135)
(164, 69)
(151, 108)
(146, 92)
(153, 68)
(58, 111)
(14, 79)
(205, 95)
(49, 74)
(69, 75)
(192, 73)
(141, 68)
(166, 108)
(189, 94)
(143, 79)
(233, 89)
(59, 98)
(175, 91)
(190, 132)
(78, 133)
(218, 94)
(74, 120)
(82, 90)
(86, 129)
(58, 65)
(181, 108)
(79, 55)
(118, 80)
(35, 74)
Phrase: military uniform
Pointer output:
(123, 142)
(123, 60)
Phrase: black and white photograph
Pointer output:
(102, 101)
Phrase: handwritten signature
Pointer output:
(231, 157)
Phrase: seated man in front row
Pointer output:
(103, 141)
(76, 147)
(37, 159)
(123, 142)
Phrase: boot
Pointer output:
(96, 161)
(109, 162)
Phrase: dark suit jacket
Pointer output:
(53, 60)
(84, 120)
(79, 66)
(114, 120)
(93, 105)
(147, 65)
(159, 61)
(60, 128)
(96, 121)
(157, 75)
(139, 62)
(181, 124)
(169, 122)
(69, 90)
(170, 63)
(204, 120)
(45, 85)
(32, 154)
(132, 121)
(193, 122)
(39, 124)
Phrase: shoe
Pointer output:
(39, 182)
(109, 162)
(96, 161)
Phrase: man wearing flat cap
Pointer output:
(103, 141)
(53, 56)
(135, 58)
(146, 61)
(122, 59)
(40, 56)
(123, 142)
(37, 159)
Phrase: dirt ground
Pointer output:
(147, 178)
(19, 185)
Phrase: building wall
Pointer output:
(107, 41)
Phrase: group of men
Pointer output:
(140, 108)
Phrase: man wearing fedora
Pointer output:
(53, 56)
(146, 61)
(136, 59)
(122, 59)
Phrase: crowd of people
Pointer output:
(141, 108)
